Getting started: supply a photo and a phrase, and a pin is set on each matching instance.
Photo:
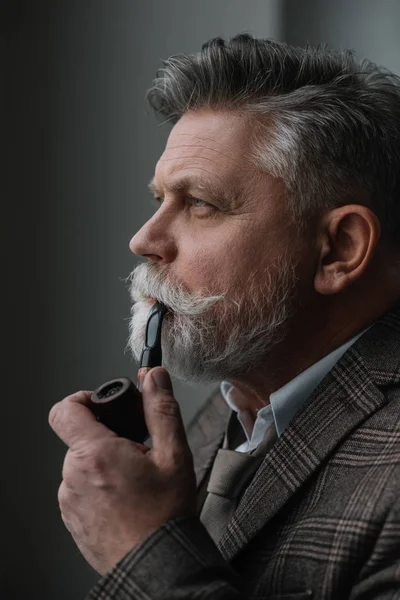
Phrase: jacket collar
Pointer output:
(346, 397)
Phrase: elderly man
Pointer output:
(275, 246)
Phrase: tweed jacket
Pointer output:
(321, 517)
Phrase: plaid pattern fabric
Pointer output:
(320, 519)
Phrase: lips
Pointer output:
(140, 297)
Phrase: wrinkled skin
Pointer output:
(115, 492)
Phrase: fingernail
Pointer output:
(162, 380)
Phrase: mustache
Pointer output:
(149, 281)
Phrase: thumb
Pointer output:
(163, 415)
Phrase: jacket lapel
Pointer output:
(344, 399)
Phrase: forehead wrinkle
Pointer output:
(178, 158)
(196, 137)
(193, 179)
(206, 139)
(205, 147)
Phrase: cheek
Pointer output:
(218, 264)
(200, 270)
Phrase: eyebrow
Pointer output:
(212, 188)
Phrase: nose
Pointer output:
(154, 241)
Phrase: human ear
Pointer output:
(347, 240)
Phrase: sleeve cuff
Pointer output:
(178, 560)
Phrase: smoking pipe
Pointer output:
(118, 403)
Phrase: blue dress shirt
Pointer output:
(285, 402)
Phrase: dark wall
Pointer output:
(368, 27)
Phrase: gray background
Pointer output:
(79, 148)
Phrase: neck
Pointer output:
(312, 334)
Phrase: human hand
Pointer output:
(115, 492)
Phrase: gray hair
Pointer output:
(326, 125)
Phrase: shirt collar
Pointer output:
(287, 400)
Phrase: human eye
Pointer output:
(197, 203)
(201, 206)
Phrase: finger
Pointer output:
(163, 415)
(74, 422)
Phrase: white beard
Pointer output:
(211, 338)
